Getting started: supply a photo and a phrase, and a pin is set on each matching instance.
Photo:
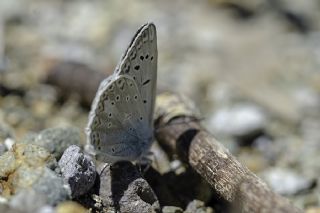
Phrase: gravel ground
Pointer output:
(251, 68)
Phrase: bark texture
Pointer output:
(179, 131)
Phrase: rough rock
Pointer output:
(78, 170)
(123, 188)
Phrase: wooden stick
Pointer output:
(180, 133)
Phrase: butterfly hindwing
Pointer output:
(118, 122)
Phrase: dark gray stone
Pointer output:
(78, 170)
(123, 188)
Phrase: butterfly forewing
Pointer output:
(140, 62)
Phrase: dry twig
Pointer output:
(180, 133)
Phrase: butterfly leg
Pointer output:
(145, 162)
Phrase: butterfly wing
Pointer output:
(118, 126)
(140, 62)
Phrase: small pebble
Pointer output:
(313, 210)
(171, 209)
(286, 182)
(240, 121)
(78, 170)
(197, 206)
(70, 207)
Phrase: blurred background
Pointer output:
(251, 68)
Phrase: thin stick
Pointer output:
(230, 179)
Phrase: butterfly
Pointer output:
(120, 126)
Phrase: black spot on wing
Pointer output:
(146, 82)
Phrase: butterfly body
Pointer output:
(120, 121)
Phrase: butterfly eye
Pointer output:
(135, 97)
(117, 97)
(127, 98)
